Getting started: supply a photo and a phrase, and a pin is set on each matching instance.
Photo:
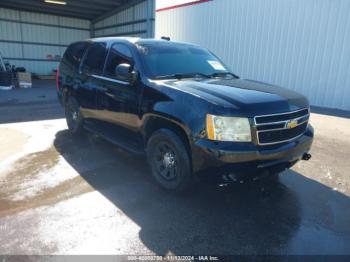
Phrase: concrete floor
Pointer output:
(61, 195)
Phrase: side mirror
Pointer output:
(124, 72)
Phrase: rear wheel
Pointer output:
(73, 116)
(169, 160)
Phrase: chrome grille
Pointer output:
(283, 127)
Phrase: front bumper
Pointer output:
(219, 158)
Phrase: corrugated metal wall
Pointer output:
(300, 44)
(137, 20)
(26, 38)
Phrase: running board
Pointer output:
(122, 142)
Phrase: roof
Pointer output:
(114, 38)
(134, 40)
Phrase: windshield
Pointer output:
(170, 60)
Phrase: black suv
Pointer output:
(181, 106)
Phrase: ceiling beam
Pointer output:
(52, 7)
(44, 11)
(104, 2)
(88, 5)
(84, 9)
(122, 7)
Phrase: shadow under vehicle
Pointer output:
(250, 218)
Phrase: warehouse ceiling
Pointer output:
(86, 9)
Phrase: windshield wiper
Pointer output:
(223, 74)
(185, 75)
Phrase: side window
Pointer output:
(74, 54)
(119, 54)
(94, 59)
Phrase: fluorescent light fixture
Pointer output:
(55, 2)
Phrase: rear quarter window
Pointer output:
(74, 54)
(94, 59)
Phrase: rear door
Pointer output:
(86, 82)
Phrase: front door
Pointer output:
(117, 99)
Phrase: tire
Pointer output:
(73, 115)
(169, 160)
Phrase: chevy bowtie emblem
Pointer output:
(291, 124)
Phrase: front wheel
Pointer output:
(169, 160)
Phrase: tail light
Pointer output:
(57, 78)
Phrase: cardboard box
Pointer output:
(24, 79)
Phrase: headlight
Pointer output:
(224, 128)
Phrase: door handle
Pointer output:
(107, 91)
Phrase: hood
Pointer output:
(248, 96)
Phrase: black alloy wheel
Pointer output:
(169, 160)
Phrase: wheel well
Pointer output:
(156, 124)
